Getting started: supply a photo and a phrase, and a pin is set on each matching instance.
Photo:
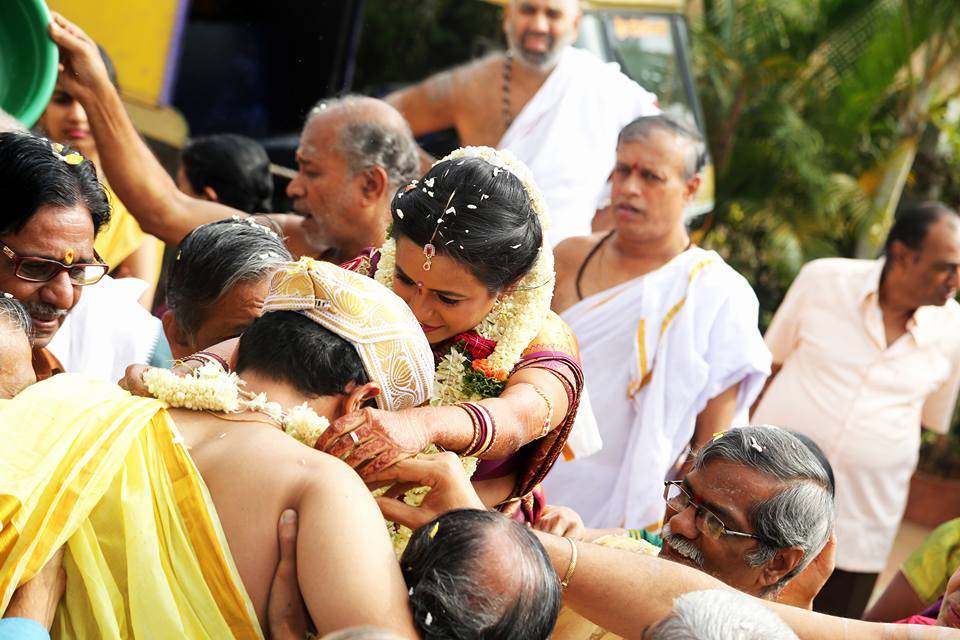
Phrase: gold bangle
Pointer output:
(573, 563)
(545, 429)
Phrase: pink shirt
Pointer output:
(862, 401)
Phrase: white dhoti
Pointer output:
(567, 135)
(655, 350)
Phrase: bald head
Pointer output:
(356, 108)
(370, 133)
(453, 567)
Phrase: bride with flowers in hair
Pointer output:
(466, 252)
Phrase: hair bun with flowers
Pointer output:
(504, 160)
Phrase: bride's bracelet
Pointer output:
(206, 357)
(484, 429)
(545, 429)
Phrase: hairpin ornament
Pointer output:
(72, 158)
(429, 250)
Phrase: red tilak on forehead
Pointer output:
(635, 167)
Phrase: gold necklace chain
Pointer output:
(269, 421)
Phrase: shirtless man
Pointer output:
(537, 33)
(348, 574)
(679, 312)
(555, 107)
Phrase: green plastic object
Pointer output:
(28, 59)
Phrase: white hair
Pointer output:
(721, 615)
(801, 514)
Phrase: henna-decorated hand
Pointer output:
(449, 488)
(383, 438)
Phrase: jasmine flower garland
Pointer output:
(210, 388)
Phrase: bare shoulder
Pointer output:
(488, 66)
(257, 453)
(474, 78)
(469, 76)
(570, 254)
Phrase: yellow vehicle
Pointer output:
(649, 39)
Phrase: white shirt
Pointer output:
(862, 401)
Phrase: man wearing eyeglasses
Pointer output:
(53, 208)
(754, 511)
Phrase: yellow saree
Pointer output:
(83, 462)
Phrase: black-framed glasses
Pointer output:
(707, 521)
(44, 270)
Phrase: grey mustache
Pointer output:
(44, 309)
(682, 546)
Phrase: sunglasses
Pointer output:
(707, 521)
(44, 270)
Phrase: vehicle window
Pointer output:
(644, 46)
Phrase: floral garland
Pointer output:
(210, 388)
(476, 369)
